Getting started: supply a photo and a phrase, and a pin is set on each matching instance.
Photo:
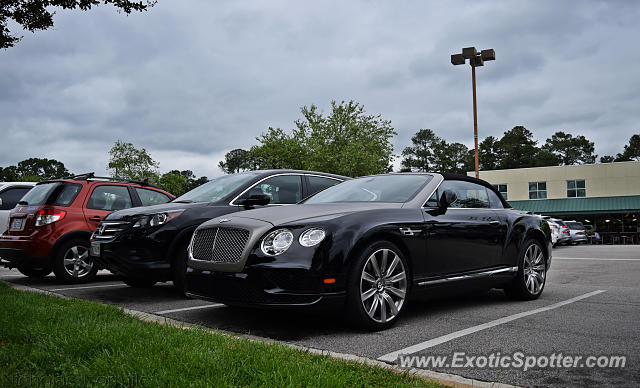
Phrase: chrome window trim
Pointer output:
(469, 276)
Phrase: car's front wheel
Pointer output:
(72, 263)
(532, 272)
(378, 287)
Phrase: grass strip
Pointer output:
(50, 341)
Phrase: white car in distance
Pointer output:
(10, 194)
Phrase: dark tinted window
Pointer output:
(470, 195)
(110, 198)
(383, 188)
(317, 184)
(282, 189)
(10, 197)
(52, 193)
(150, 197)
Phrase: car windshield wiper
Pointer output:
(23, 203)
(183, 201)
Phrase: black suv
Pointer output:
(148, 245)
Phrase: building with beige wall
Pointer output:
(601, 180)
(606, 194)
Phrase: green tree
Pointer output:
(607, 159)
(173, 182)
(569, 149)
(35, 15)
(489, 154)
(128, 162)
(419, 155)
(347, 141)
(235, 161)
(631, 150)
(35, 170)
(450, 157)
(43, 169)
(518, 147)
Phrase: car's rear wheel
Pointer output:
(72, 263)
(34, 272)
(378, 287)
(139, 283)
(532, 273)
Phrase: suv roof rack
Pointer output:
(91, 176)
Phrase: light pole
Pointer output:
(475, 59)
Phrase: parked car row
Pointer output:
(568, 232)
(288, 238)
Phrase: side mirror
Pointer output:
(255, 200)
(447, 198)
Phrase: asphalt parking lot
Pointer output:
(590, 306)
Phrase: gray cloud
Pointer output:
(191, 80)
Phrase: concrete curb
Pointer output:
(447, 379)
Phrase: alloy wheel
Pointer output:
(383, 285)
(534, 269)
(77, 262)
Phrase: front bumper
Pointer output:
(129, 260)
(261, 287)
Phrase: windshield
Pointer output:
(217, 188)
(382, 188)
(52, 193)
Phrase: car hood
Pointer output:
(153, 209)
(278, 215)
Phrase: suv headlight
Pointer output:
(277, 242)
(156, 219)
(311, 237)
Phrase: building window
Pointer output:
(537, 190)
(576, 188)
(502, 188)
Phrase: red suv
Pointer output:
(50, 228)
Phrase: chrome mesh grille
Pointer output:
(219, 245)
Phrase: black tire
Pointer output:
(523, 286)
(68, 254)
(139, 283)
(179, 268)
(380, 289)
(34, 272)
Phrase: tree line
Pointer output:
(348, 141)
(125, 162)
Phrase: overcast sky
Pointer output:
(191, 80)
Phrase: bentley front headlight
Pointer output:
(312, 237)
(277, 242)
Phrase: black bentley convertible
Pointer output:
(371, 243)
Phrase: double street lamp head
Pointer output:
(475, 58)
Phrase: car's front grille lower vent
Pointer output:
(219, 245)
(109, 229)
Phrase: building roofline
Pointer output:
(564, 166)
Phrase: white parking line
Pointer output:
(86, 287)
(592, 258)
(391, 357)
(207, 306)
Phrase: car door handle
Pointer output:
(494, 223)
(95, 218)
